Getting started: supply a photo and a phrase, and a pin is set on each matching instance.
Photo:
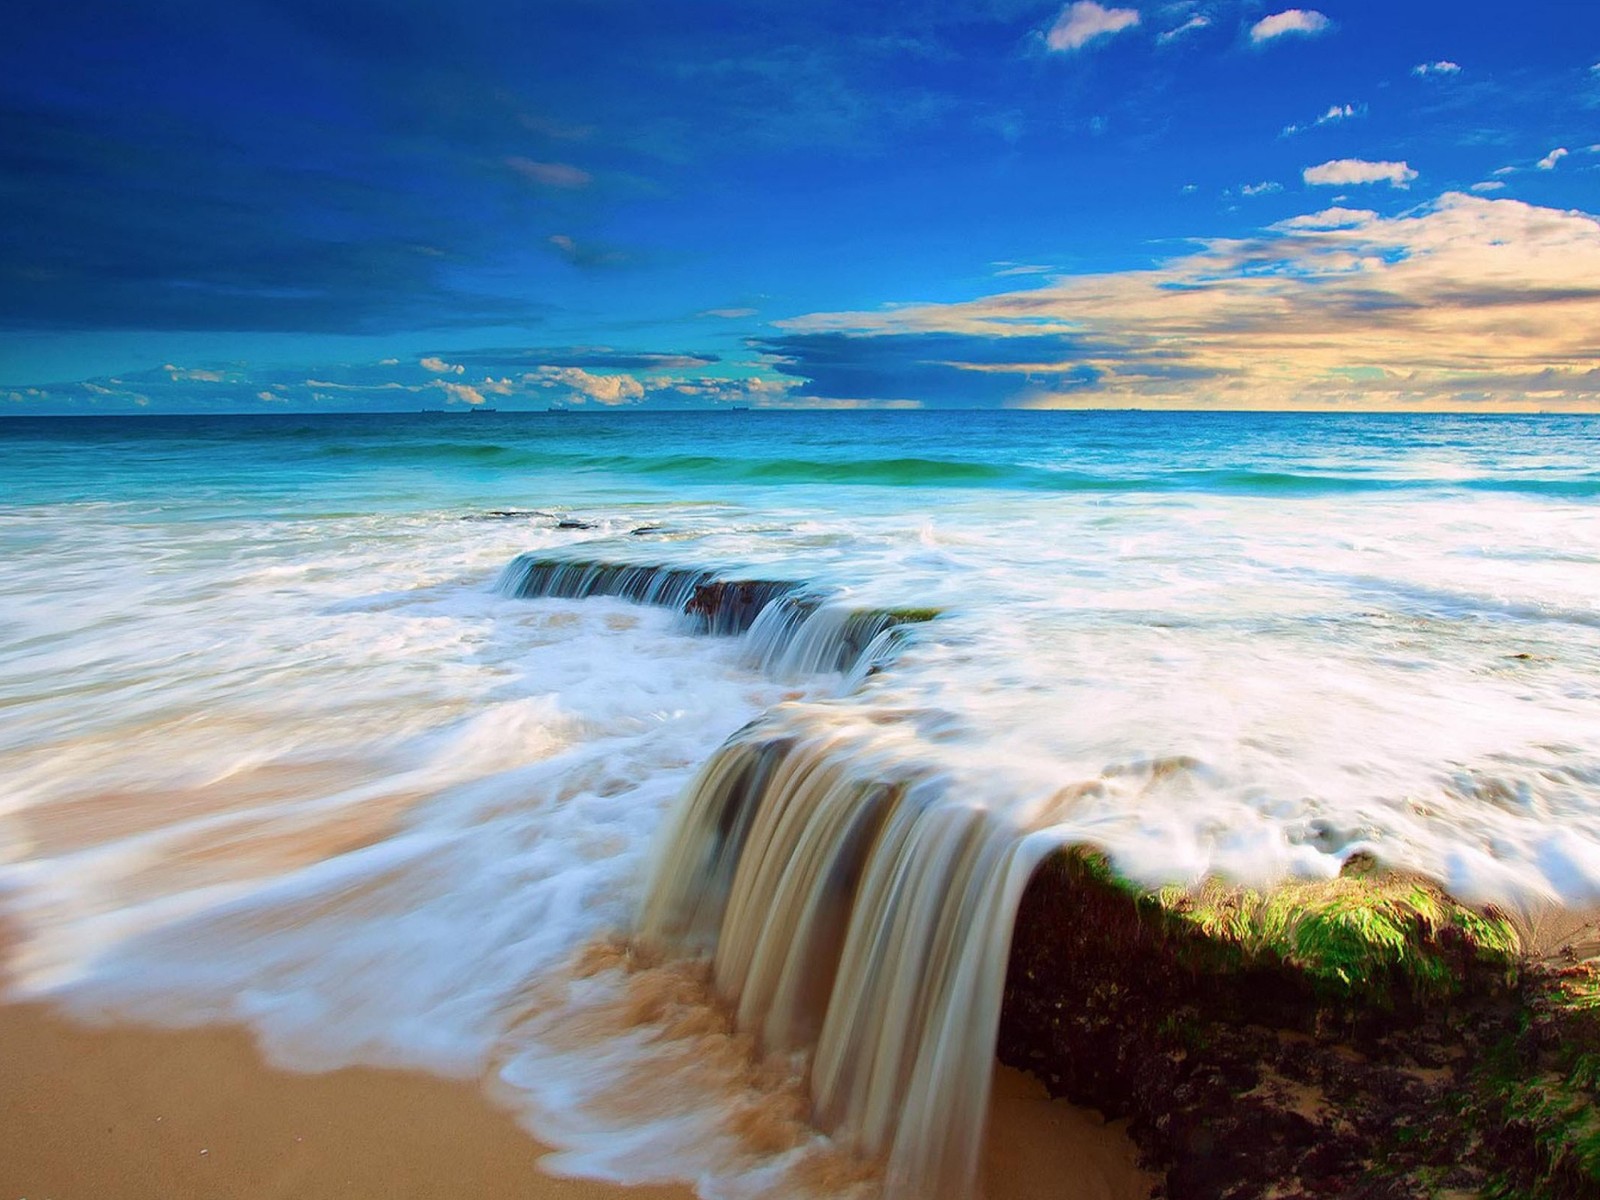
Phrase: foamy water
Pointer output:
(277, 751)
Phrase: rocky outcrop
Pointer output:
(1365, 1037)
(795, 628)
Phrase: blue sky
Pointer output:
(399, 205)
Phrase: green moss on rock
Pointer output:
(1365, 1036)
(913, 616)
(1374, 939)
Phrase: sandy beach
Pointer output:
(141, 1114)
(135, 1113)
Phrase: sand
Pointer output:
(132, 1114)
(91, 1113)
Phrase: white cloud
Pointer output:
(1443, 67)
(1196, 22)
(1294, 20)
(1488, 185)
(1189, 189)
(1264, 188)
(1330, 218)
(439, 367)
(607, 389)
(1340, 171)
(729, 314)
(329, 385)
(748, 390)
(200, 375)
(460, 393)
(1549, 161)
(549, 174)
(1084, 21)
(1334, 113)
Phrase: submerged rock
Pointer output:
(729, 606)
(795, 627)
(509, 514)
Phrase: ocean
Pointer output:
(420, 739)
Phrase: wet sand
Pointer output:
(140, 1114)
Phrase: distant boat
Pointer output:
(482, 409)
(556, 408)
(739, 408)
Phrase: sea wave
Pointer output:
(910, 471)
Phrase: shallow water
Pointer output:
(276, 750)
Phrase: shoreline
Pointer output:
(138, 1113)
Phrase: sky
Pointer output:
(323, 205)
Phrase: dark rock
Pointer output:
(509, 514)
(1251, 1068)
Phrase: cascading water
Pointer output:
(792, 630)
(854, 906)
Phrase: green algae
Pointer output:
(1540, 1091)
(912, 616)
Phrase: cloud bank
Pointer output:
(1465, 303)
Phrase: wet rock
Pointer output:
(730, 606)
(509, 514)
(1367, 1037)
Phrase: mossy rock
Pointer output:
(912, 616)
(1539, 1093)
(1371, 940)
(1318, 1039)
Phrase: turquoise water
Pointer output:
(278, 751)
(62, 460)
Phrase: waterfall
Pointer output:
(793, 629)
(856, 906)
(530, 576)
(799, 635)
